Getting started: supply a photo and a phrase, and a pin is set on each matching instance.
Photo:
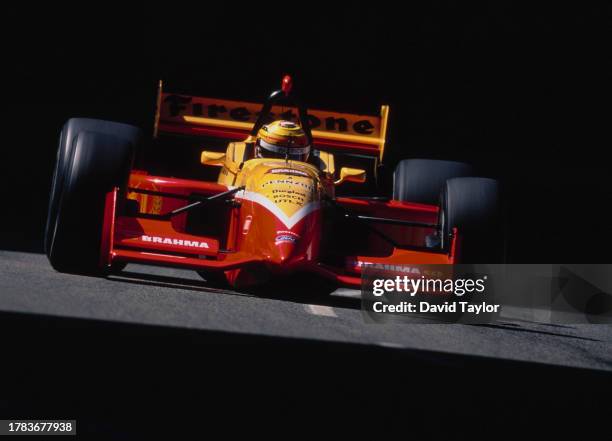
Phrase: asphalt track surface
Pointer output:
(178, 298)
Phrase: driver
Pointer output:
(282, 139)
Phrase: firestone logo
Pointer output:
(176, 242)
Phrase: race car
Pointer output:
(268, 197)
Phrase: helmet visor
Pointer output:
(267, 150)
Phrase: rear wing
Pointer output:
(210, 117)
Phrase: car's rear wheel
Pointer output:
(93, 157)
(472, 206)
(421, 180)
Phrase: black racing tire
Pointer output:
(421, 180)
(472, 205)
(64, 154)
(93, 157)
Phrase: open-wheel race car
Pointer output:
(264, 200)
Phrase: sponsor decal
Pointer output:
(286, 237)
(353, 264)
(287, 171)
(383, 266)
(290, 217)
(175, 242)
(289, 182)
(174, 107)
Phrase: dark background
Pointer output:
(520, 90)
(517, 89)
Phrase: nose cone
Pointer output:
(284, 250)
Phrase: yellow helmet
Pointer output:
(282, 139)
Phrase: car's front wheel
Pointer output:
(93, 158)
(472, 206)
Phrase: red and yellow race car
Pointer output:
(265, 198)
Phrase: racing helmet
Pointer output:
(282, 139)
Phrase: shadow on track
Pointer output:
(119, 380)
(515, 328)
(299, 288)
